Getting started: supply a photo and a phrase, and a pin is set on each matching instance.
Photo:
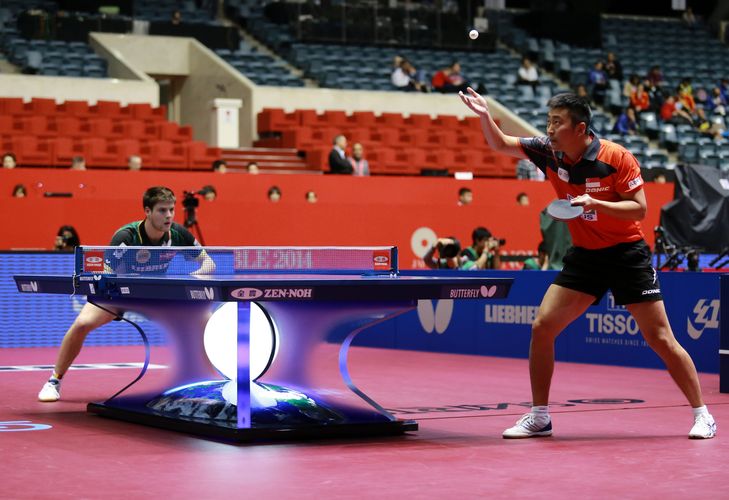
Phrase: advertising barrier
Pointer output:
(605, 334)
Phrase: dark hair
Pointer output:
(577, 107)
(209, 188)
(219, 163)
(273, 189)
(542, 248)
(479, 234)
(157, 194)
(518, 196)
(20, 187)
(74, 240)
(306, 196)
(463, 191)
(252, 163)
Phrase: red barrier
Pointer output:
(402, 211)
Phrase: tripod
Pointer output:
(192, 224)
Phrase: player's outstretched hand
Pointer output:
(475, 101)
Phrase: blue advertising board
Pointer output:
(605, 334)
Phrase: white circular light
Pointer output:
(221, 337)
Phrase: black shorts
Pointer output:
(625, 269)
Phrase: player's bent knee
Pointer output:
(544, 329)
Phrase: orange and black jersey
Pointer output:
(604, 171)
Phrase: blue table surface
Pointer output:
(279, 278)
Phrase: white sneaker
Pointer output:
(51, 392)
(704, 427)
(530, 426)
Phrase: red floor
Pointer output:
(632, 444)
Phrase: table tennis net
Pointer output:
(234, 260)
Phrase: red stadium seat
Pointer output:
(418, 120)
(75, 108)
(106, 109)
(275, 120)
(69, 126)
(29, 150)
(145, 111)
(414, 137)
(64, 149)
(200, 156)
(318, 158)
(12, 106)
(41, 106)
(446, 121)
(334, 119)
(99, 153)
(391, 120)
(363, 118)
(166, 155)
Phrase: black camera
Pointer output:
(190, 200)
(450, 250)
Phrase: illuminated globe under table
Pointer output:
(263, 317)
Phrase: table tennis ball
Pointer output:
(473, 34)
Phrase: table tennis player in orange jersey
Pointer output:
(608, 251)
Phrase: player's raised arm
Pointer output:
(498, 140)
(207, 264)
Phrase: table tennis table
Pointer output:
(294, 388)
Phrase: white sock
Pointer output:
(701, 410)
(541, 411)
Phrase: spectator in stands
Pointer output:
(631, 85)
(527, 170)
(717, 102)
(407, 77)
(456, 81)
(208, 192)
(338, 163)
(672, 112)
(703, 125)
(220, 166)
(542, 260)
(597, 79)
(483, 254)
(688, 18)
(252, 168)
(522, 199)
(660, 178)
(686, 95)
(360, 166)
(626, 124)
(449, 79)
(640, 100)
(9, 160)
(613, 68)
(78, 163)
(311, 197)
(176, 18)
(134, 162)
(655, 77)
(20, 191)
(582, 92)
(527, 73)
(274, 194)
(724, 87)
(66, 239)
(448, 250)
(465, 196)
(702, 98)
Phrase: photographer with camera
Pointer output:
(484, 253)
(66, 239)
(448, 254)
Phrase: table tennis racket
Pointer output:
(564, 210)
